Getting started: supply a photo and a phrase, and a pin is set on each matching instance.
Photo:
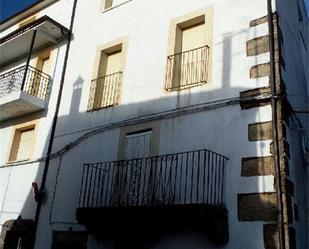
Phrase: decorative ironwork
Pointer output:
(27, 79)
(194, 177)
(187, 69)
(104, 91)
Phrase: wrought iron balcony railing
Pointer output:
(26, 79)
(105, 91)
(195, 177)
(187, 69)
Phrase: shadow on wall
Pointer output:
(65, 172)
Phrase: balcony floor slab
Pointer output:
(108, 221)
(18, 104)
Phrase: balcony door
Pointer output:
(137, 146)
(189, 62)
(108, 79)
(37, 79)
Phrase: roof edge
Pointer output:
(28, 11)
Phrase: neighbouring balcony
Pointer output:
(105, 91)
(16, 45)
(169, 190)
(23, 90)
(187, 69)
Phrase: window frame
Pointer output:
(16, 131)
(136, 135)
(109, 48)
(180, 23)
(139, 128)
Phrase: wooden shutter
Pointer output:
(193, 37)
(25, 144)
(138, 145)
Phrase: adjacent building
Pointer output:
(155, 124)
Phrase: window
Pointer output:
(137, 148)
(188, 62)
(138, 144)
(22, 145)
(139, 141)
(37, 78)
(106, 84)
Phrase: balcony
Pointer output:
(187, 69)
(23, 90)
(181, 189)
(15, 46)
(105, 91)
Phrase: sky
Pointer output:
(11, 7)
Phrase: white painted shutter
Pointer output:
(193, 37)
(113, 64)
(25, 144)
(137, 145)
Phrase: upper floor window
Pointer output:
(189, 47)
(22, 144)
(105, 87)
(37, 79)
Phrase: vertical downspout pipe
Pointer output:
(55, 118)
(274, 123)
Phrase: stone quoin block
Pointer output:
(257, 166)
(259, 45)
(259, 21)
(257, 207)
(271, 236)
(247, 100)
(260, 70)
(260, 131)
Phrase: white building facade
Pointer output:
(165, 126)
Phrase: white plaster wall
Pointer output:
(222, 130)
(225, 130)
(144, 75)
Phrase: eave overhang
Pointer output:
(15, 46)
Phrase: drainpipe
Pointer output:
(55, 118)
(274, 99)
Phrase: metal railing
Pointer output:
(32, 81)
(187, 69)
(104, 91)
(194, 177)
